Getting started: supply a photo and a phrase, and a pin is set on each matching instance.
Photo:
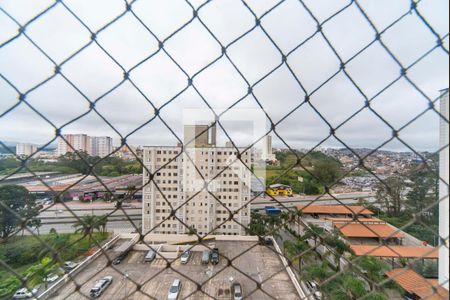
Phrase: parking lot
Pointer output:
(135, 279)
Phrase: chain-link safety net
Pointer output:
(296, 252)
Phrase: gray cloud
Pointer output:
(159, 79)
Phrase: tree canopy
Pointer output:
(16, 203)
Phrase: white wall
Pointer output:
(443, 192)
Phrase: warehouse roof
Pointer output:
(357, 230)
(334, 209)
(413, 283)
(396, 251)
(357, 220)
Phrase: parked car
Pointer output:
(205, 257)
(120, 258)
(150, 256)
(312, 285)
(185, 257)
(69, 265)
(24, 293)
(215, 256)
(265, 241)
(236, 290)
(51, 278)
(100, 286)
(174, 290)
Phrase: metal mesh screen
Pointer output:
(301, 248)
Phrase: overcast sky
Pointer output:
(59, 34)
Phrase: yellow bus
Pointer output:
(279, 190)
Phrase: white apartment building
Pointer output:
(177, 182)
(267, 150)
(25, 149)
(94, 146)
(101, 146)
(77, 142)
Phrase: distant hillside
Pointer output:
(11, 146)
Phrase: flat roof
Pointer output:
(44, 188)
(334, 209)
(396, 251)
(413, 283)
(358, 230)
(251, 263)
(356, 221)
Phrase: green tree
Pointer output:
(37, 274)
(86, 225)
(338, 246)
(374, 269)
(353, 286)
(102, 222)
(390, 195)
(314, 231)
(317, 272)
(424, 191)
(327, 171)
(15, 199)
(296, 249)
(9, 286)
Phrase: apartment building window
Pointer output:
(158, 152)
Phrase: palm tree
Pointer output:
(102, 222)
(374, 269)
(314, 231)
(296, 249)
(37, 274)
(86, 225)
(338, 246)
(57, 242)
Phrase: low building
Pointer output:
(334, 211)
(408, 252)
(416, 286)
(367, 233)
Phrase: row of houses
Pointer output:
(367, 235)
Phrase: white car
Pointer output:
(185, 257)
(174, 290)
(100, 286)
(51, 277)
(237, 291)
(24, 293)
(70, 265)
(315, 289)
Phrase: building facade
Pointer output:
(25, 149)
(178, 184)
(101, 146)
(73, 142)
(443, 191)
(94, 146)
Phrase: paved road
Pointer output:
(349, 198)
(62, 219)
